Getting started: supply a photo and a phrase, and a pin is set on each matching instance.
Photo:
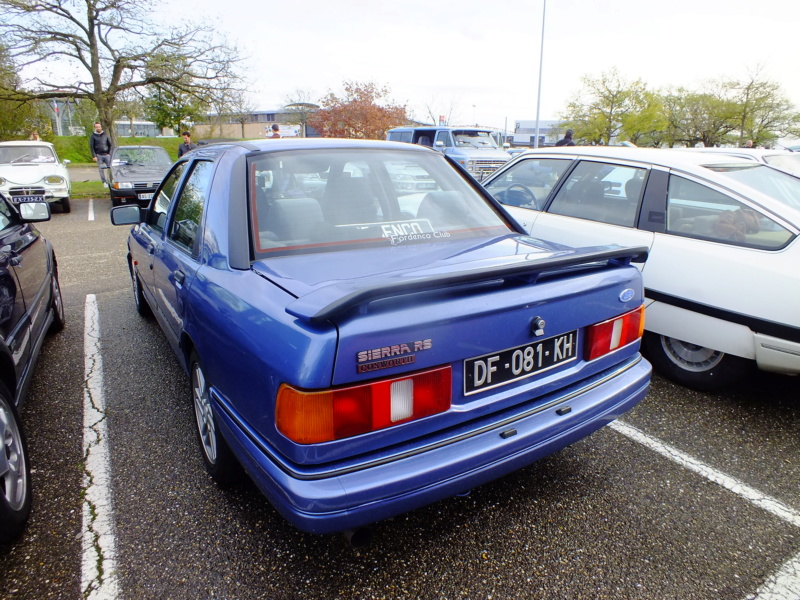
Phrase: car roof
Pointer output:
(27, 143)
(313, 144)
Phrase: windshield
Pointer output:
(142, 157)
(26, 155)
(331, 199)
(781, 186)
(474, 139)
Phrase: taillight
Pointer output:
(605, 337)
(310, 417)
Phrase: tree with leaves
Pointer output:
(365, 112)
(18, 119)
(98, 49)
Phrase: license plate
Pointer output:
(28, 198)
(493, 370)
(145, 196)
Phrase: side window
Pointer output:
(444, 136)
(528, 183)
(189, 211)
(601, 192)
(158, 211)
(695, 210)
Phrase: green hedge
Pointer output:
(76, 148)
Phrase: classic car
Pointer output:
(722, 277)
(135, 173)
(31, 172)
(30, 307)
(365, 353)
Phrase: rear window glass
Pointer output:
(330, 199)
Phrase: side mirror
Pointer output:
(126, 215)
(66, 161)
(506, 145)
(34, 212)
(438, 144)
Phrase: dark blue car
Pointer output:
(30, 307)
(363, 350)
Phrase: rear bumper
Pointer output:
(357, 498)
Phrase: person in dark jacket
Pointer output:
(566, 140)
(187, 145)
(100, 145)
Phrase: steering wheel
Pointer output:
(526, 191)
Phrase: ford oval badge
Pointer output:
(626, 295)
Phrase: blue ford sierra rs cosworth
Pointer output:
(363, 350)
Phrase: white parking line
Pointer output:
(98, 573)
(785, 583)
(91, 209)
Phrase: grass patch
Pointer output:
(88, 189)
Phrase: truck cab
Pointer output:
(473, 147)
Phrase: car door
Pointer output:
(176, 253)
(24, 281)
(732, 258)
(598, 203)
(150, 233)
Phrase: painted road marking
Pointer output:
(785, 583)
(99, 571)
(91, 209)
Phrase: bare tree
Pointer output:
(100, 48)
(129, 105)
(300, 109)
(241, 109)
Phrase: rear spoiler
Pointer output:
(327, 302)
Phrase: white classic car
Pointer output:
(722, 281)
(31, 172)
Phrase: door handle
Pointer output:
(180, 277)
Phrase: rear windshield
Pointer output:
(781, 186)
(307, 201)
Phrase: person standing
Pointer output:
(187, 145)
(276, 131)
(566, 140)
(100, 145)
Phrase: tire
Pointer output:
(694, 366)
(142, 307)
(56, 303)
(217, 456)
(65, 208)
(15, 471)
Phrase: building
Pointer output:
(525, 133)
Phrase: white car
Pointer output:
(31, 172)
(722, 279)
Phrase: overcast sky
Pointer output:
(483, 56)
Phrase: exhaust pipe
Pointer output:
(358, 538)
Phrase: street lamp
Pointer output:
(539, 93)
(473, 116)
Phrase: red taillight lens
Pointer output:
(605, 337)
(309, 417)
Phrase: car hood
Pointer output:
(322, 290)
(28, 174)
